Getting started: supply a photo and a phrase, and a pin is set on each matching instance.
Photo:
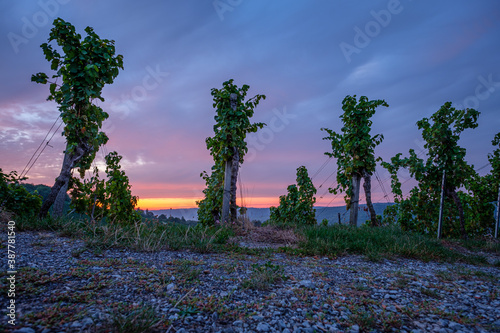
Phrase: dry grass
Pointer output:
(249, 235)
(270, 234)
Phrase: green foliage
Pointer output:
(231, 125)
(15, 198)
(297, 207)
(477, 204)
(230, 132)
(210, 207)
(121, 202)
(494, 160)
(84, 67)
(419, 212)
(110, 198)
(88, 196)
(354, 147)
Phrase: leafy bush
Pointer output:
(17, 199)
(297, 206)
(110, 198)
(467, 207)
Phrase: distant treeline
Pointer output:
(146, 214)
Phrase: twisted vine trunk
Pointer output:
(367, 185)
(497, 224)
(229, 188)
(58, 206)
(227, 192)
(453, 194)
(235, 165)
(356, 181)
(68, 164)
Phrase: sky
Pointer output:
(305, 56)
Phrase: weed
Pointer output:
(430, 292)
(445, 275)
(263, 276)
(77, 252)
(360, 286)
(186, 270)
(55, 315)
(363, 318)
(401, 283)
(390, 322)
(134, 319)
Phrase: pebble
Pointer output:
(316, 296)
(24, 330)
(307, 284)
(263, 327)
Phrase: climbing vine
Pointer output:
(232, 124)
(420, 210)
(83, 67)
(110, 198)
(354, 150)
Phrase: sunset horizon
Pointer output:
(182, 203)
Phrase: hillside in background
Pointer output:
(262, 214)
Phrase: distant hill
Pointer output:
(262, 214)
(187, 213)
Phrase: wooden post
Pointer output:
(497, 225)
(356, 182)
(339, 218)
(441, 206)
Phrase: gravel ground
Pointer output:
(63, 287)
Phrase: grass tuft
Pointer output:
(141, 236)
(134, 319)
(264, 276)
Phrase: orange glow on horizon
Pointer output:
(182, 203)
(179, 203)
(166, 203)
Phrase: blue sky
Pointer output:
(305, 56)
